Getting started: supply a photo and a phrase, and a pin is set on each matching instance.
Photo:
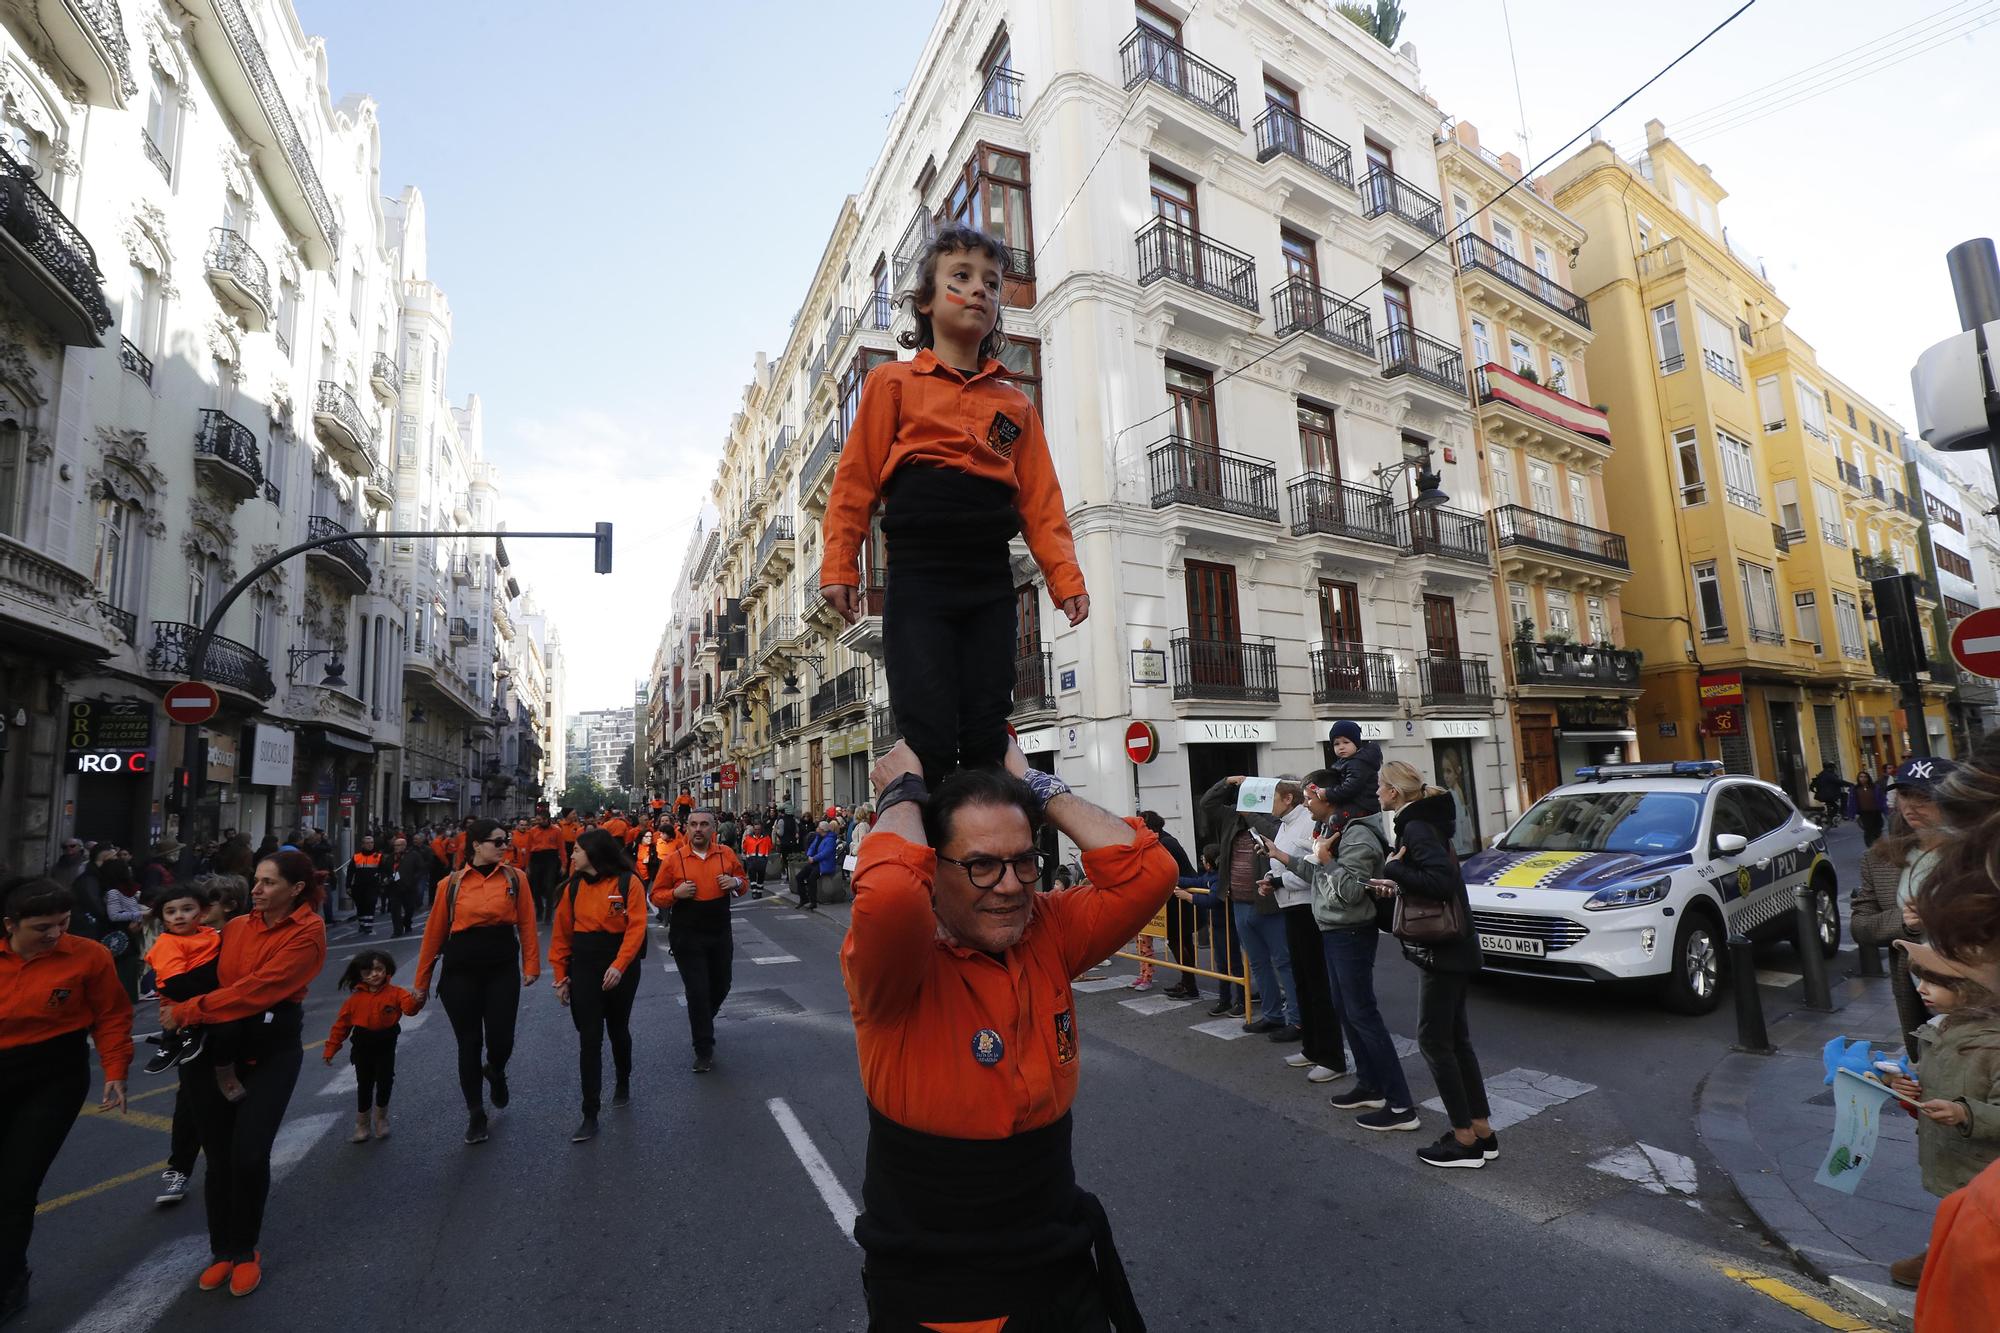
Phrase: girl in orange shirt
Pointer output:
(594, 948)
(373, 1014)
(183, 960)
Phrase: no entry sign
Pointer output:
(1975, 643)
(1141, 742)
(191, 703)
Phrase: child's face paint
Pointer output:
(967, 305)
(181, 916)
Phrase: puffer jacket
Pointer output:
(1428, 869)
(1342, 899)
(1357, 790)
(1961, 1063)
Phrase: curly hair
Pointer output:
(1960, 900)
(949, 241)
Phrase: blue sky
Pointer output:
(626, 202)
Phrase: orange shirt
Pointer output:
(706, 871)
(1961, 1284)
(372, 1011)
(172, 955)
(920, 1003)
(447, 850)
(483, 900)
(539, 839)
(756, 844)
(923, 411)
(619, 829)
(569, 829)
(71, 987)
(260, 966)
(596, 905)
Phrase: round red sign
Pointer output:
(191, 702)
(1141, 742)
(1975, 643)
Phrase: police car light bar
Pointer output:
(1681, 768)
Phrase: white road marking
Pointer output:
(1104, 984)
(342, 1081)
(1149, 1005)
(835, 1195)
(776, 958)
(668, 967)
(1405, 1048)
(1777, 980)
(793, 916)
(1654, 1170)
(1520, 1094)
(1229, 1029)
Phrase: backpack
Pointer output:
(624, 880)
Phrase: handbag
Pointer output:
(1429, 920)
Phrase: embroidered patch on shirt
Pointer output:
(58, 997)
(1000, 436)
(1065, 1038)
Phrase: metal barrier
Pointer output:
(1204, 955)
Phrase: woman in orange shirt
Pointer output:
(483, 925)
(594, 949)
(270, 955)
(54, 989)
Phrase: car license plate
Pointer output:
(1518, 945)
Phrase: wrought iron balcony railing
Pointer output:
(786, 720)
(821, 460)
(1476, 252)
(386, 374)
(1184, 471)
(1347, 674)
(1149, 56)
(1877, 490)
(779, 529)
(231, 258)
(1283, 130)
(134, 360)
(332, 401)
(1000, 95)
(1034, 683)
(52, 241)
(1225, 669)
(1874, 566)
(251, 52)
(125, 622)
(1451, 533)
(1300, 307)
(878, 312)
(225, 662)
(1404, 351)
(347, 550)
(845, 690)
(1574, 664)
(1340, 508)
(1521, 526)
(1454, 682)
(223, 437)
(1167, 249)
(780, 445)
(1722, 366)
(154, 155)
(1383, 191)
(837, 329)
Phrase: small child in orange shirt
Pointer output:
(183, 960)
(373, 1014)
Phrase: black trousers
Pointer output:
(41, 1090)
(544, 873)
(754, 869)
(482, 1000)
(374, 1057)
(1446, 1042)
(237, 1136)
(597, 1013)
(948, 645)
(1317, 1007)
(402, 906)
(184, 1149)
(365, 892)
(807, 881)
(1181, 920)
(704, 959)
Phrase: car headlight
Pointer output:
(1628, 895)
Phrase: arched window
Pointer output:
(162, 132)
(13, 476)
(119, 527)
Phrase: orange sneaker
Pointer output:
(247, 1275)
(214, 1275)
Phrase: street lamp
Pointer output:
(814, 660)
(335, 677)
(417, 716)
(1430, 486)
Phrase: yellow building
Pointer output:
(1731, 483)
(1570, 678)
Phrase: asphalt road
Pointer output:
(1241, 1201)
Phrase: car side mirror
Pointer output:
(1730, 844)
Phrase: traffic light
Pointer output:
(1897, 617)
(604, 548)
(180, 792)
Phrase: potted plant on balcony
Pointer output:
(1524, 632)
(1528, 373)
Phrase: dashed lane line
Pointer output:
(831, 1191)
(776, 958)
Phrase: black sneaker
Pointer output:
(703, 1063)
(1287, 1032)
(1219, 1008)
(585, 1131)
(622, 1095)
(162, 1061)
(1489, 1146)
(1448, 1151)
(1358, 1098)
(498, 1078)
(1391, 1118)
(1266, 1024)
(475, 1128)
(191, 1045)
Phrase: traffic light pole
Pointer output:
(197, 653)
(1975, 282)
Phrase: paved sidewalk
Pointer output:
(1769, 1118)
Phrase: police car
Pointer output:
(1642, 871)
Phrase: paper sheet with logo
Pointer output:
(1256, 795)
(1857, 1121)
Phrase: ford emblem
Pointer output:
(1507, 895)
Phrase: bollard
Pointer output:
(1871, 959)
(1750, 1034)
(1806, 925)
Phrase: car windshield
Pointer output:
(1608, 821)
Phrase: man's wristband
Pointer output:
(907, 787)
(1046, 786)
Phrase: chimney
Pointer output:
(1511, 164)
(1467, 135)
(1655, 132)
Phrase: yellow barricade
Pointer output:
(1206, 934)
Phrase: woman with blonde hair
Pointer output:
(1423, 865)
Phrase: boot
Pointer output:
(1908, 1272)
(360, 1134)
(381, 1122)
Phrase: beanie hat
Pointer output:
(1345, 730)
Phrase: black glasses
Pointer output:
(985, 871)
(500, 841)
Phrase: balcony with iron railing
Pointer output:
(1873, 567)
(1575, 664)
(882, 730)
(1224, 670)
(342, 427)
(385, 376)
(1337, 508)
(1849, 474)
(816, 369)
(1283, 132)
(1526, 407)
(1147, 56)
(46, 262)
(1899, 501)
(842, 692)
(774, 547)
(819, 463)
(344, 558)
(1351, 676)
(1723, 366)
(837, 329)
(786, 720)
(1175, 252)
(878, 312)
(1185, 472)
(1000, 95)
(781, 444)
(1034, 684)
(226, 456)
(463, 631)
(121, 620)
(89, 37)
(1300, 307)
(1519, 526)
(1452, 534)
(1474, 253)
(237, 275)
(778, 631)
(1877, 491)
(1404, 351)
(225, 663)
(1384, 193)
(134, 360)
(1454, 682)
(1784, 538)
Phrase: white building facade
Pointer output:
(1227, 424)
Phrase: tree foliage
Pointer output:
(1382, 20)
(625, 767)
(584, 793)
